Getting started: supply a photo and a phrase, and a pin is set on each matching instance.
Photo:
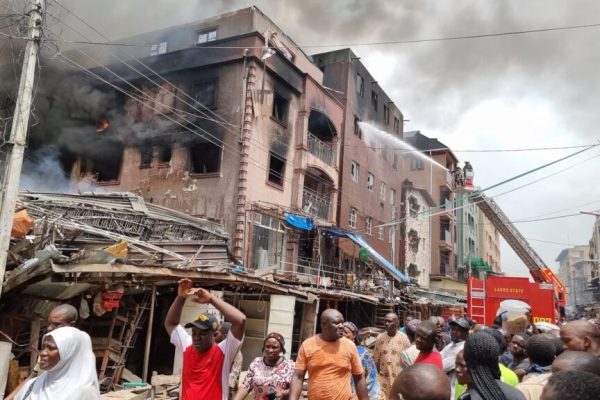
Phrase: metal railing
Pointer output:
(323, 151)
(317, 204)
(309, 271)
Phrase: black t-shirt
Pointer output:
(510, 392)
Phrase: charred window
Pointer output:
(105, 164)
(276, 169)
(386, 115)
(280, 108)
(357, 130)
(165, 152)
(360, 85)
(146, 155)
(205, 93)
(205, 158)
(396, 125)
(374, 100)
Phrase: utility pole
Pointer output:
(18, 133)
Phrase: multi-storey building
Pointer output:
(437, 179)
(370, 169)
(575, 270)
(415, 233)
(489, 243)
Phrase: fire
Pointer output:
(102, 125)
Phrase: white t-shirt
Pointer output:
(230, 346)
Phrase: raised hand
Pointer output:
(184, 288)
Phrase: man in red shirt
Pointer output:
(425, 336)
(206, 365)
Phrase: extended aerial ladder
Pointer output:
(539, 271)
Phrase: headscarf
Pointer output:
(279, 338)
(73, 377)
(354, 329)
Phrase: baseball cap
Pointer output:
(462, 322)
(207, 322)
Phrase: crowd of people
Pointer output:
(422, 360)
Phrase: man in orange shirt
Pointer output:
(330, 360)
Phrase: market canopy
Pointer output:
(385, 264)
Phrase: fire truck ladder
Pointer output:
(518, 243)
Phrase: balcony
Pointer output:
(317, 204)
(446, 240)
(310, 272)
(322, 150)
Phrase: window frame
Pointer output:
(352, 217)
(355, 171)
(370, 182)
(382, 192)
(206, 32)
(215, 83)
(369, 226)
(273, 155)
(191, 158)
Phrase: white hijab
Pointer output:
(73, 377)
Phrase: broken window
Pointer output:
(280, 108)
(360, 85)
(158, 48)
(413, 240)
(374, 100)
(105, 165)
(352, 218)
(386, 114)
(355, 171)
(370, 181)
(205, 93)
(413, 206)
(146, 155)
(357, 130)
(205, 158)
(165, 152)
(276, 169)
(413, 271)
(207, 36)
(368, 225)
(268, 242)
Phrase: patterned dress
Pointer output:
(387, 356)
(368, 364)
(262, 378)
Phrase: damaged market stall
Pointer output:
(117, 259)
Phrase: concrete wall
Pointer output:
(421, 258)
(489, 243)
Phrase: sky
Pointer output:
(505, 92)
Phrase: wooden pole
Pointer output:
(35, 338)
(149, 336)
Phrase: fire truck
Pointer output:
(547, 295)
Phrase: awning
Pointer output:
(299, 222)
(385, 264)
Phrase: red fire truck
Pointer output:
(546, 295)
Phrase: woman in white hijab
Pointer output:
(70, 368)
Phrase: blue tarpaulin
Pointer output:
(300, 222)
(385, 264)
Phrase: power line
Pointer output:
(451, 38)
(405, 150)
(381, 43)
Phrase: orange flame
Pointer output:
(102, 125)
